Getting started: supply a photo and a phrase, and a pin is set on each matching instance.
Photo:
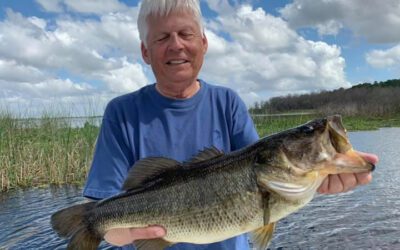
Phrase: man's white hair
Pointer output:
(163, 8)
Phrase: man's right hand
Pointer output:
(125, 236)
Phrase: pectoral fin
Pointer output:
(262, 236)
(154, 244)
(292, 190)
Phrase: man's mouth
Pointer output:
(176, 62)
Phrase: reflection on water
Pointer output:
(366, 218)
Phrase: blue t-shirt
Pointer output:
(145, 123)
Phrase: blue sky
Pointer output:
(72, 54)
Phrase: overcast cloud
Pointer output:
(70, 60)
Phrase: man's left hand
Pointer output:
(338, 183)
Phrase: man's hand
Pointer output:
(338, 183)
(126, 236)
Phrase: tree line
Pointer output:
(368, 99)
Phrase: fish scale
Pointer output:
(180, 213)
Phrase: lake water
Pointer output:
(366, 218)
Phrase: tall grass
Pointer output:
(371, 122)
(268, 124)
(49, 150)
(43, 151)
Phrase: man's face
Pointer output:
(175, 47)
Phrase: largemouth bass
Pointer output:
(216, 196)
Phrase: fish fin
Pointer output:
(262, 236)
(147, 169)
(291, 191)
(69, 222)
(153, 244)
(206, 154)
(83, 239)
(267, 210)
(66, 221)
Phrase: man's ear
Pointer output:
(205, 43)
(145, 53)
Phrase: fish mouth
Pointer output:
(346, 160)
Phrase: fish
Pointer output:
(215, 195)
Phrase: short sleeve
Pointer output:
(111, 162)
(244, 132)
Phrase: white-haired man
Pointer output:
(175, 117)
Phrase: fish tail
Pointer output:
(70, 222)
(83, 239)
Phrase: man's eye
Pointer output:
(161, 38)
(187, 35)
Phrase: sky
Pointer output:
(70, 57)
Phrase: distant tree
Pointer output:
(379, 98)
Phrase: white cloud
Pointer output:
(60, 97)
(125, 79)
(82, 47)
(377, 21)
(56, 87)
(51, 5)
(264, 57)
(42, 64)
(11, 71)
(30, 44)
(384, 58)
(255, 53)
(93, 6)
(85, 6)
(51, 87)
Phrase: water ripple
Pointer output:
(365, 218)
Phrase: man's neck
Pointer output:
(178, 91)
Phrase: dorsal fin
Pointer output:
(206, 154)
(147, 169)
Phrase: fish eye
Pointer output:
(307, 129)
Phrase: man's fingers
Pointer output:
(125, 236)
(118, 237)
(324, 187)
(335, 184)
(363, 178)
(349, 181)
(147, 233)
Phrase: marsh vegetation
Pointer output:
(37, 152)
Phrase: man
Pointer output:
(177, 116)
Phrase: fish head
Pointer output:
(295, 162)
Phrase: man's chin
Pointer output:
(182, 77)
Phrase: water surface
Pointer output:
(366, 218)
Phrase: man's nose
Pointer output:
(175, 42)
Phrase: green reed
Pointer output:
(49, 150)
(353, 123)
(35, 152)
(267, 124)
